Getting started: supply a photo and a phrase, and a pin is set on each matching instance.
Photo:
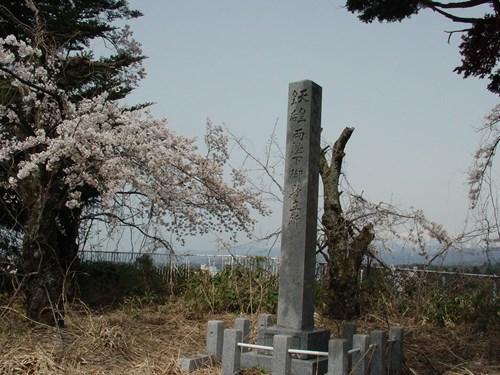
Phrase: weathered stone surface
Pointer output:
(311, 339)
(231, 352)
(360, 363)
(338, 359)
(282, 360)
(195, 362)
(243, 324)
(312, 366)
(215, 337)
(300, 207)
(396, 348)
(378, 338)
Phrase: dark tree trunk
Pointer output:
(343, 274)
(49, 248)
(346, 248)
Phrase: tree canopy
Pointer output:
(62, 31)
(480, 46)
(69, 27)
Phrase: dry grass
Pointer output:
(149, 339)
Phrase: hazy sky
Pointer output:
(415, 118)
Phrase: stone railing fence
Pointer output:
(377, 353)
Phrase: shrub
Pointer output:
(101, 284)
(432, 297)
(243, 289)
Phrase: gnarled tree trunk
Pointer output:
(49, 248)
(346, 246)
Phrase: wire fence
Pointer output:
(216, 262)
(212, 263)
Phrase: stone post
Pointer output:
(264, 321)
(215, 337)
(360, 363)
(243, 324)
(378, 362)
(282, 360)
(349, 329)
(338, 361)
(231, 355)
(396, 338)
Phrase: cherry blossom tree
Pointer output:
(68, 29)
(66, 155)
(483, 186)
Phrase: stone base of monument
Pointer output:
(312, 366)
(314, 339)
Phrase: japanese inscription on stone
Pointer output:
(300, 205)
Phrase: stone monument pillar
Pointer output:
(299, 228)
(300, 207)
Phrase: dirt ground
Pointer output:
(150, 339)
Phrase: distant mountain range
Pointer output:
(399, 255)
(450, 259)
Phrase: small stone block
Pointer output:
(243, 324)
(190, 364)
(282, 360)
(348, 331)
(338, 357)
(360, 364)
(215, 337)
(263, 321)
(396, 338)
(378, 361)
(231, 355)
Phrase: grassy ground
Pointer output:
(146, 338)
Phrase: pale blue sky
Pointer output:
(232, 61)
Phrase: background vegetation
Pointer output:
(138, 319)
(440, 299)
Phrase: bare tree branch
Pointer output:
(14, 21)
(454, 18)
(460, 5)
(126, 223)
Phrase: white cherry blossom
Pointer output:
(100, 145)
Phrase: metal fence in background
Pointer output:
(166, 263)
(270, 264)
